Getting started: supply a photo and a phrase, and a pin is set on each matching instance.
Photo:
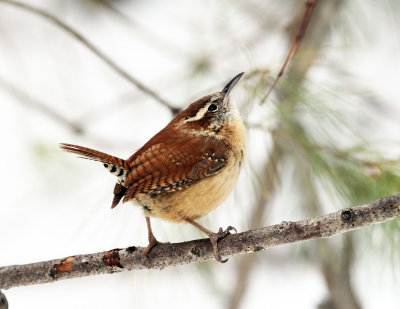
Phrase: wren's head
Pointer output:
(210, 112)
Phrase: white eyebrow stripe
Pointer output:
(200, 114)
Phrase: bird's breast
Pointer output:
(206, 194)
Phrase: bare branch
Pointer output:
(25, 98)
(310, 4)
(68, 29)
(76, 127)
(162, 256)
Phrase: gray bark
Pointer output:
(162, 256)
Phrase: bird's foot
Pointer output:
(152, 243)
(215, 237)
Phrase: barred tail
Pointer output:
(114, 165)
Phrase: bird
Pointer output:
(184, 171)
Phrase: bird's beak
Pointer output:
(228, 88)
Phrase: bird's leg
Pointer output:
(214, 237)
(152, 240)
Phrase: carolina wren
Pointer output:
(187, 169)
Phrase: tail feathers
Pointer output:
(119, 192)
(114, 165)
(95, 155)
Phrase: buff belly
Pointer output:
(195, 201)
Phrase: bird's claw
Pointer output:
(152, 243)
(215, 237)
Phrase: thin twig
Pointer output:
(163, 256)
(76, 127)
(27, 99)
(310, 4)
(68, 29)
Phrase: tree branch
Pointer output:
(310, 4)
(68, 29)
(25, 98)
(162, 256)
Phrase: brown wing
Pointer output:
(168, 167)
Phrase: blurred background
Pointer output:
(327, 138)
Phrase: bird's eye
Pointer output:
(212, 108)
